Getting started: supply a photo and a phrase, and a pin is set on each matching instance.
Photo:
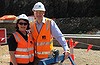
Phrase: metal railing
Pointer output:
(92, 36)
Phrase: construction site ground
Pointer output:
(81, 56)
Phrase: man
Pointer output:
(43, 30)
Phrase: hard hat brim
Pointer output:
(38, 10)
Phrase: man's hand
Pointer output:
(66, 53)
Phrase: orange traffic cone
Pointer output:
(71, 44)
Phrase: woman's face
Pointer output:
(22, 25)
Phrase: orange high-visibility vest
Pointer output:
(43, 39)
(25, 50)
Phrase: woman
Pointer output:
(21, 47)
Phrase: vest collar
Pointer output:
(44, 19)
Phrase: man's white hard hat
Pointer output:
(38, 6)
(22, 16)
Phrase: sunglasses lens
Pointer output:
(23, 23)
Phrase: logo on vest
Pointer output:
(44, 37)
(31, 42)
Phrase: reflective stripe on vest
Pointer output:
(24, 56)
(25, 50)
(43, 52)
(43, 43)
(16, 37)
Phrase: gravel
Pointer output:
(82, 57)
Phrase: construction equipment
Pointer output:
(55, 59)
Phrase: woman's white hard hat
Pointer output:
(22, 16)
(38, 6)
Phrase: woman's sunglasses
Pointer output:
(22, 23)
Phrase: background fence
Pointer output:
(83, 40)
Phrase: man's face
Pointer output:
(39, 14)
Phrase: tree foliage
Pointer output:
(55, 8)
(79, 25)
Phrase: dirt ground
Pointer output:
(81, 56)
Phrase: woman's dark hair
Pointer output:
(28, 27)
